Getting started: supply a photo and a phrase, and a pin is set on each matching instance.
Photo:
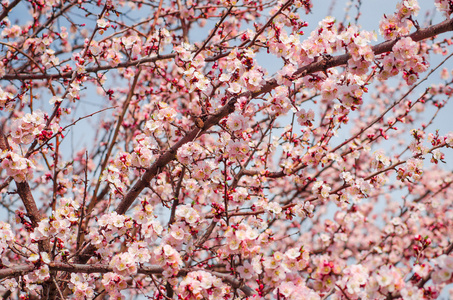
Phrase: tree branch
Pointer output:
(320, 65)
(21, 270)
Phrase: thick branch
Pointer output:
(37, 76)
(100, 268)
(24, 191)
(16, 271)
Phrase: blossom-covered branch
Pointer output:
(189, 149)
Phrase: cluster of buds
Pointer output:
(414, 169)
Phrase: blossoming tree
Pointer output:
(204, 176)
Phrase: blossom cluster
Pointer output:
(413, 169)
(407, 58)
(241, 239)
(187, 214)
(124, 264)
(42, 273)
(202, 285)
(144, 216)
(114, 284)
(294, 291)
(81, 286)
(280, 103)
(142, 156)
(112, 225)
(116, 173)
(444, 6)
(17, 166)
(444, 270)
(6, 98)
(169, 258)
(381, 161)
(358, 46)
(59, 223)
(321, 189)
(189, 153)
(6, 235)
(283, 266)
(354, 280)
(241, 71)
(398, 24)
